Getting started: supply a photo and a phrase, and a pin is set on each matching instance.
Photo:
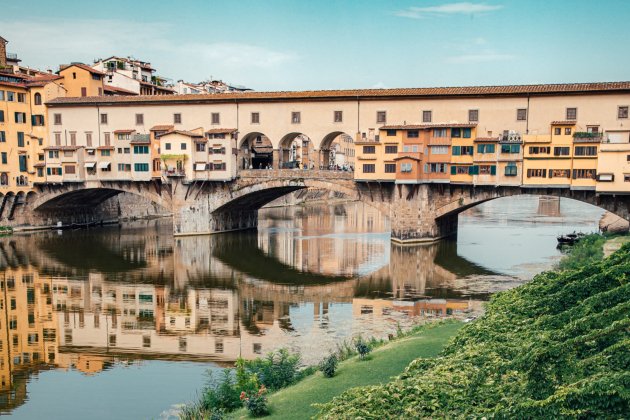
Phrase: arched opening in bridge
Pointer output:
(337, 151)
(255, 152)
(296, 151)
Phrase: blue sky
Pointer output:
(291, 45)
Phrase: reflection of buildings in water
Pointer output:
(549, 206)
(312, 238)
(421, 307)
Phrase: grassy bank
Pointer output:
(384, 362)
(556, 347)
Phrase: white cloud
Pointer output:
(47, 43)
(463, 8)
(379, 85)
(481, 57)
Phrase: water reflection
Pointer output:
(89, 301)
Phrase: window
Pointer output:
(106, 152)
(594, 129)
(511, 169)
(559, 173)
(536, 150)
(626, 177)
(369, 150)
(83, 91)
(10, 96)
(413, 134)
(255, 118)
(107, 139)
(140, 150)
(381, 117)
(390, 168)
(557, 131)
(473, 115)
(21, 97)
(296, 118)
(1, 95)
(487, 170)
(586, 151)
(141, 167)
(124, 167)
(177, 118)
(182, 146)
(521, 114)
(456, 132)
(369, 168)
(53, 171)
(20, 139)
(37, 120)
(457, 150)
(567, 131)
(200, 147)
(571, 114)
(4, 158)
(466, 133)
(467, 150)
(338, 116)
(390, 133)
(139, 119)
(124, 136)
(485, 148)
(622, 112)
(536, 173)
(20, 117)
(215, 118)
(584, 174)
(405, 167)
(561, 151)
(426, 116)
(73, 138)
(391, 149)
(37, 98)
(57, 118)
(218, 166)
(88, 139)
(1, 116)
(510, 148)
(70, 169)
(439, 168)
(53, 154)
(439, 132)
(103, 118)
(3, 137)
(439, 150)
(167, 146)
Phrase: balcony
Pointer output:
(12, 56)
(440, 141)
(512, 137)
(141, 138)
(587, 137)
(174, 173)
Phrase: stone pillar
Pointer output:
(413, 214)
(276, 159)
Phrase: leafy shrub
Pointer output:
(256, 402)
(556, 347)
(363, 348)
(328, 366)
(278, 370)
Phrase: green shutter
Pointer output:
(480, 148)
(467, 132)
(456, 150)
(453, 170)
(493, 170)
(48, 171)
(515, 148)
(489, 148)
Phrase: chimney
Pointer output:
(3, 52)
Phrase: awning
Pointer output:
(90, 165)
(200, 166)
(103, 165)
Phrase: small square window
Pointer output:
(427, 116)
(557, 131)
(567, 131)
(473, 115)
(521, 114)
(381, 117)
(255, 118)
(216, 118)
(139, 119)
(338, 116)
(296, 118)
(571, 114)
(177, 118)
(103, 118)
(622, 112)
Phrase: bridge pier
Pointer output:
(415, 216)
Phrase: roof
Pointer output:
(162, 128)
(408, 93)
(486, 139)
(105, 148)
(84, 67)
(563, 122)
(42, 80)
(72, 148)
(408, 157)
(129, 131)
(425, 126)
(141, 140)
(183, 133)
(39, 165)
(221, 131)
(115, 89)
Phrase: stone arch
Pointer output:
(255, 151)
(326, 153)
(292, 153)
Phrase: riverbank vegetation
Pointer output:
(6, 231)
(555, 347)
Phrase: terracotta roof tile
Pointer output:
(70, 148)
(39, 165)
(84, 67)
(487, 139)
(129, 131)
(162, 128)
(563, 122)
(115, 89)
(105, 148)
(182, 132)
(425, 126)
(221, 131)
(477, 91)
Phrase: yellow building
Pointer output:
(81, 80)
(547, 159)
(462, 151)
(375, 155)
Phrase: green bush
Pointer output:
(556, 347)
(328, 366)
(278, 370)
(255, 402)
(363, 348)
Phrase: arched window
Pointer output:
(38, 99)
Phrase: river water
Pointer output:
(124, 321)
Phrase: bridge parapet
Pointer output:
(295, 174)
